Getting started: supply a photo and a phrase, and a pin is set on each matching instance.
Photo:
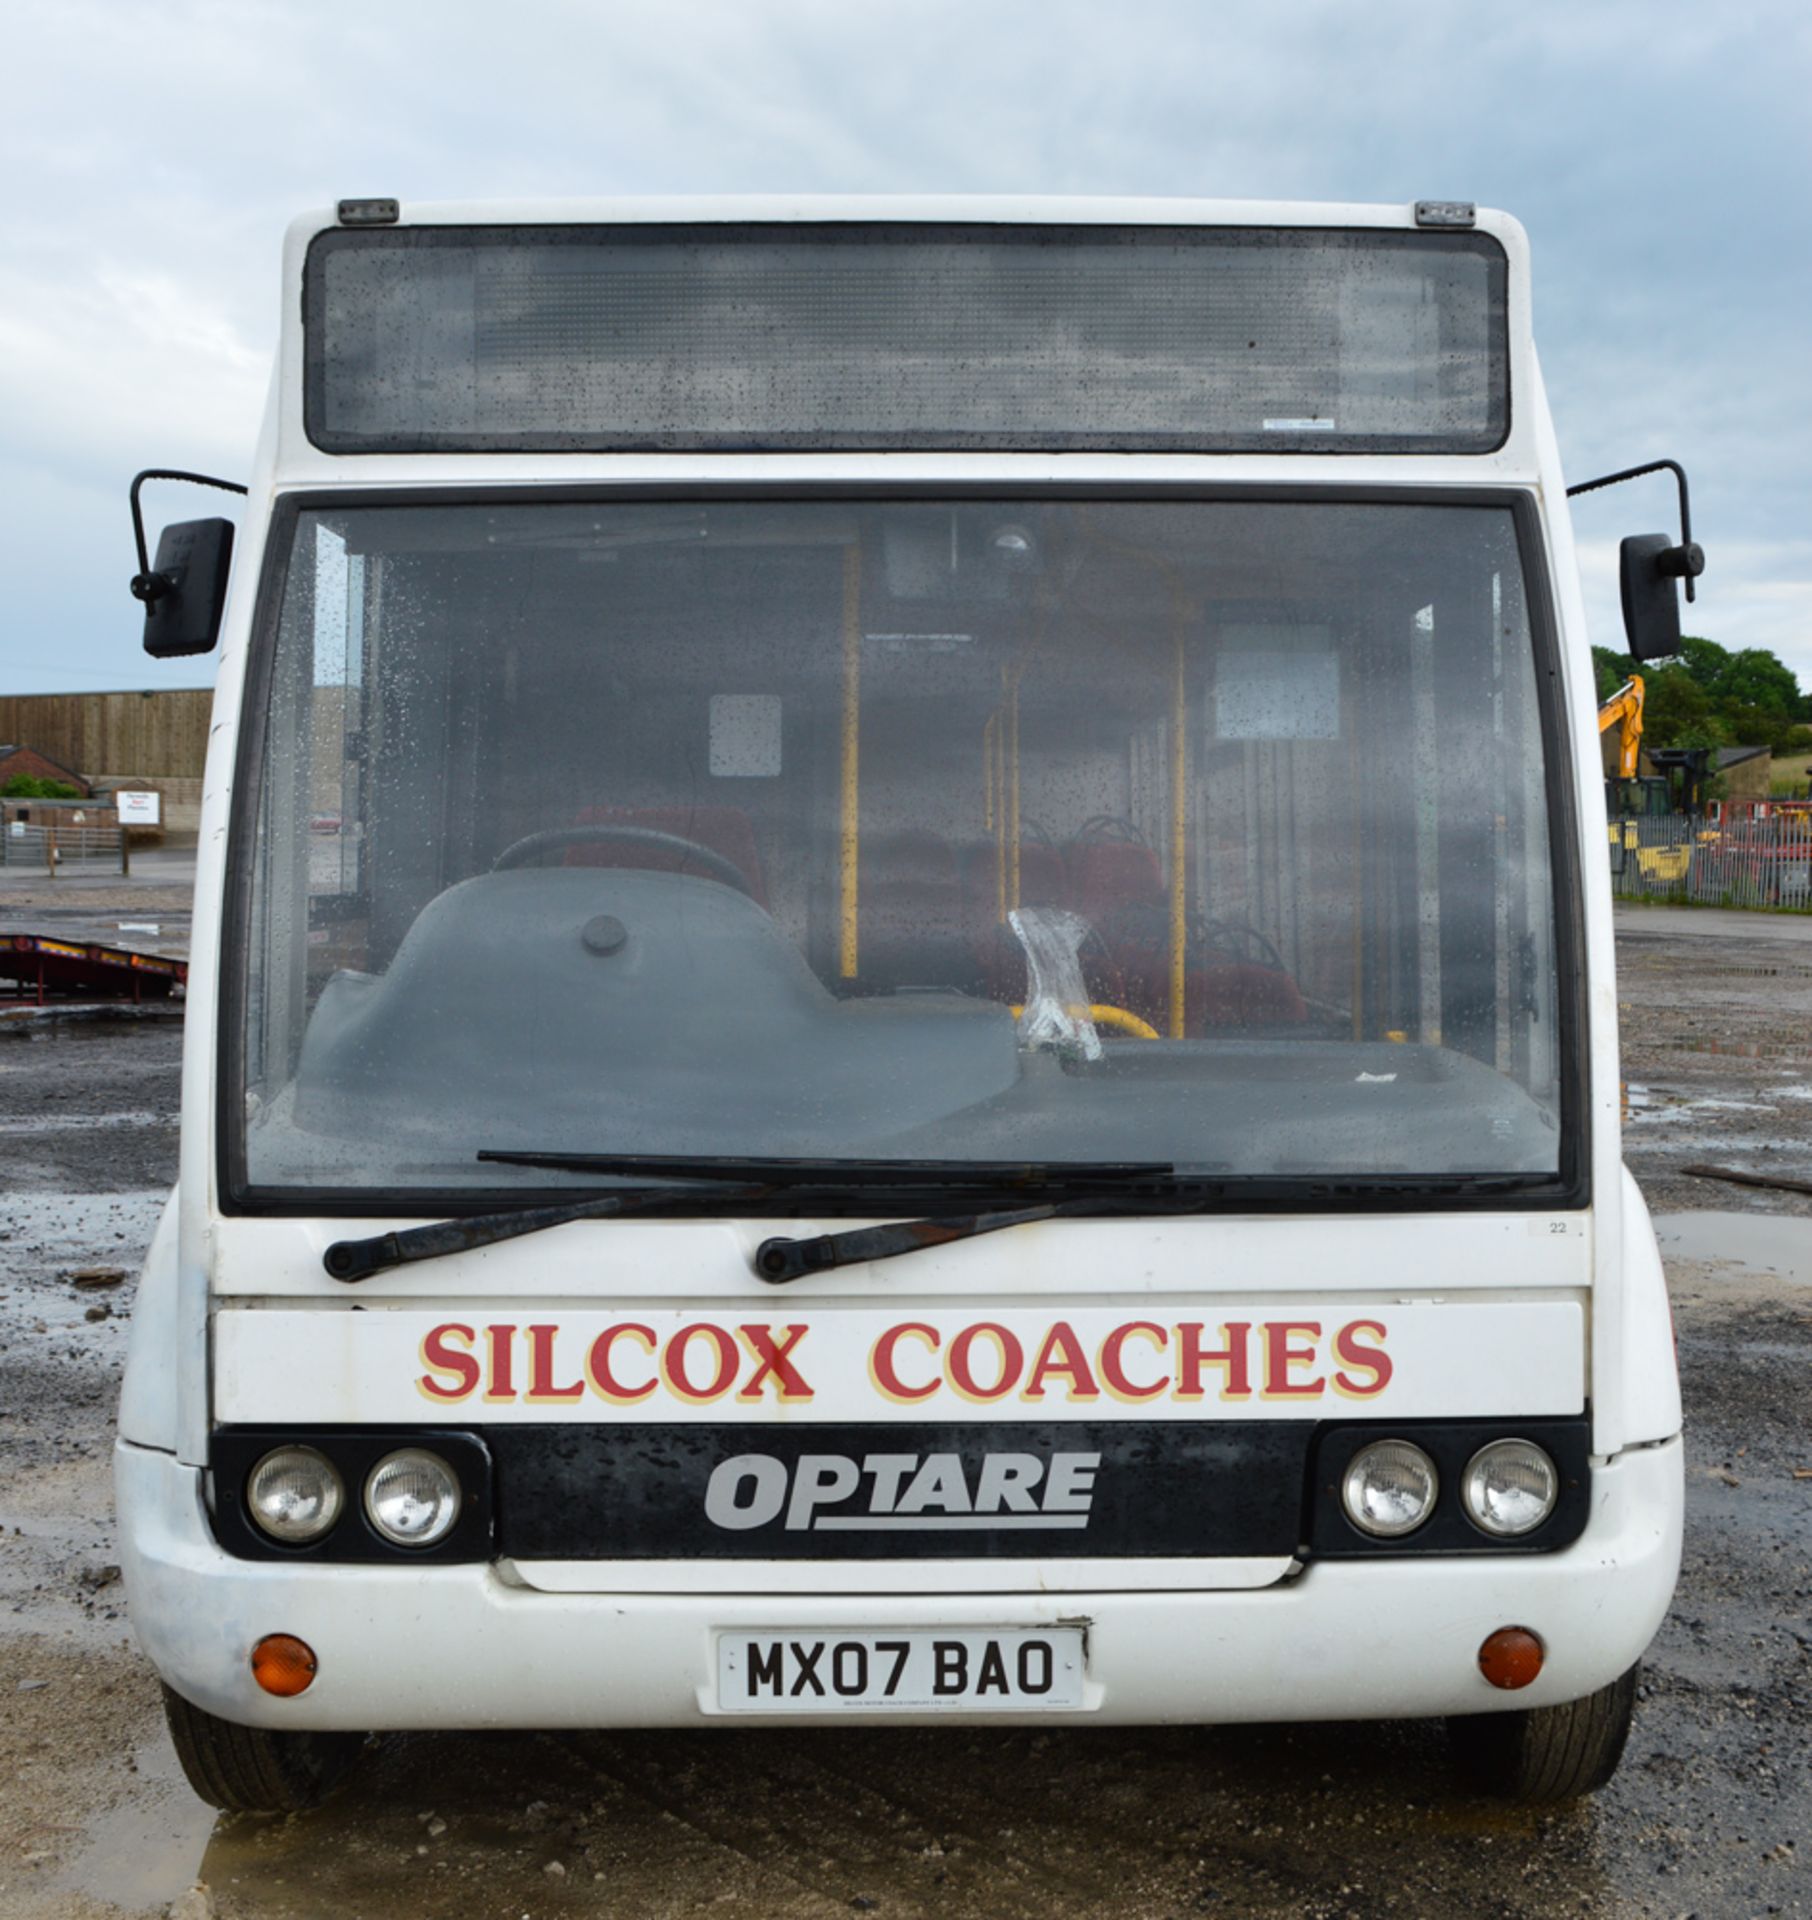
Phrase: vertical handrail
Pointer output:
(988, 726)
(850, 835)
(991, 753)
(1356, 775)
(1179, 830)
(1013, 827)
(1000, 806)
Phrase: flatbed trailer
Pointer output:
(37, 966)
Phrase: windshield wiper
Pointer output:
(355, 1260)
(708, 1179)
(718, 1180)
(992, 1174)
(780, 1260)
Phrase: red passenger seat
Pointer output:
(1242, 994)
(912, 931)
(1108, 876)
(1042, 883)
(725, 830)
(1220, 994)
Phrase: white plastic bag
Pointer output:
(1056, 1011)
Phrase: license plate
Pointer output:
(1016, 1669)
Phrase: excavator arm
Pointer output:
(1624, 711)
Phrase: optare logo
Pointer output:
(902, 1492)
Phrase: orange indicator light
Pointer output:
(283, 1665)
(1511, 1657)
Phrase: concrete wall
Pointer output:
(1749, 779)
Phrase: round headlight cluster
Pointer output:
(412, 1498)
(295, 1495)
(1390, 1488)
(1510, 1488)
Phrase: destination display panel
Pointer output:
(895, 336)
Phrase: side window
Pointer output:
(307, 895)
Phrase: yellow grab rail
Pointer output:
(1115, 1018)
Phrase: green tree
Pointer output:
(1677, 711)
(1756, 678)
(1719, 698)
(1612, 669)
(30, 786)
(1704, 659)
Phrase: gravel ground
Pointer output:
(1711, 1814)
(1717, 1053)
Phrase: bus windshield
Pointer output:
(1209, 833)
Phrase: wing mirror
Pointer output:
(185, 593)
(1649, 564)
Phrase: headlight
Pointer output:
(412, 1498)
(1390, 1488)
(295, 1495)
(1510, 1487)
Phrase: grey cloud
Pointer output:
(1658, 154)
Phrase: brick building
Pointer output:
(18, 761)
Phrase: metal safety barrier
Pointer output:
(1733, 863)
(54, 849)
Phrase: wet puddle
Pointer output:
(144, 1852)
(86, 1122)
(1741, 1049)
(72, 1022)
(1647, 1105)
(1771, 1243)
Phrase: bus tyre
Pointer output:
(251, 1769)
(1546, 1754)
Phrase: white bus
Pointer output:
(951, 1052)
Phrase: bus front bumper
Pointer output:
(463, 1646)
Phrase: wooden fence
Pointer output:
(160, 734)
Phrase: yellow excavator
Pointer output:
(1660, 865)
(1623, 710)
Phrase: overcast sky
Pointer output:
(152, 151)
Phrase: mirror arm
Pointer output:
(1687, 560)
(151, 587)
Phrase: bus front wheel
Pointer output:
(252, 1769)
(1546, 1754)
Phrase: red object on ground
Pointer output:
(39, 965)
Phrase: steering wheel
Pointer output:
(707, 861)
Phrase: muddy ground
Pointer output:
(1710, 1815)
(1717, 1052)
